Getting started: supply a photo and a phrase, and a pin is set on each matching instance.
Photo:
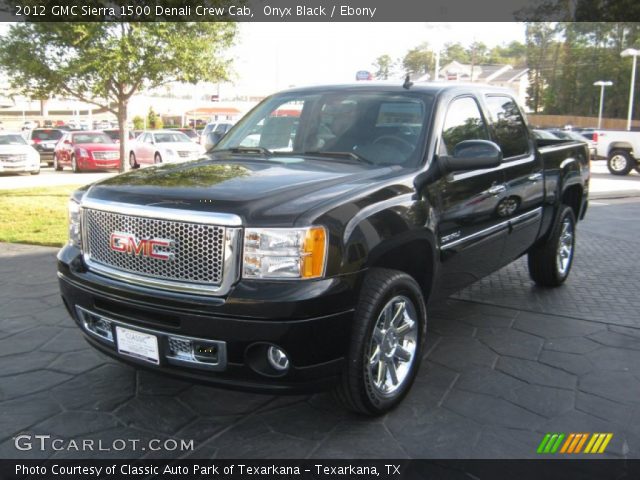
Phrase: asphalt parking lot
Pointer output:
(505, 363)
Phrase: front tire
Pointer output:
(620, 162)
(74, 164)
(550, 262)
(386, 343)
(157, 158)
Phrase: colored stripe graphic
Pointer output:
(581, 443)
(572, 443)
(598, 442)
(568, 442)
(543, 443)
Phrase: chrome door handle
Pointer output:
(497, 189)
(535, 177)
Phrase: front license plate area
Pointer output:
(142, 346)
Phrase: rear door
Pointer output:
(524, 175)
(471, 235)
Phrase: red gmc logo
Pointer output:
(146, 247)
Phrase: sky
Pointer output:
(272, 56)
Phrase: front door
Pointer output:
(471, 235)
(524, 176)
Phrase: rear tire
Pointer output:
(387, 336)
(132, 161)
(550, 262)
(56, 166)
(620, 162)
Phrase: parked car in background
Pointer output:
(220, 128)
(16, 155)
(114, 134)
(621, 148)
(163, 146)
(29, 125)
(101, 124)
(189, 132)
(84, 151)
(573, 135)
(543, 134)
(44, 140)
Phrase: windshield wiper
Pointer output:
(260, 150)
(351, 155)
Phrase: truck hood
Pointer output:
(263, 192)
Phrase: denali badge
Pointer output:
(147, 247)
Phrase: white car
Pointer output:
(163, 146)
(221, 128)
(621, 148)
(16, 155)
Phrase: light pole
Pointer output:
(602, 84)
(631, 52)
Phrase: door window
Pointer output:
(463, 122)
(508, 126)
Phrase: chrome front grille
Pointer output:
(106, 155)
(13, 158)
(196, 254)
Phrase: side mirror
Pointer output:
(472, 155)
(212, 140)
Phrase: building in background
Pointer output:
(506, 76)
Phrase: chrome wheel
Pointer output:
(565, 247)
(618, 163)
(392, 349)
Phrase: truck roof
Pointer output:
(434, 88)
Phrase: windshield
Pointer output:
(12, 140)
(170, 137)
(44, 135)
(382, 128)
(189, 133)
(92, 138)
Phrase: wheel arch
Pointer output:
(415, 257)
(619, 146)
(573, 197)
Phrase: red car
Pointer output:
(86, 151)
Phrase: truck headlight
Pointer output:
(75, 237)
(285, 253)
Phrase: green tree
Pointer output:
(454, 52)
(106, 63)
(138, 123)
(419, 60)
(383, 67)
(154, 121)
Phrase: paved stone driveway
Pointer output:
(505, 363)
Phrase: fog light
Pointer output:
(277, 359)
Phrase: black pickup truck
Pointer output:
(301, 251)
